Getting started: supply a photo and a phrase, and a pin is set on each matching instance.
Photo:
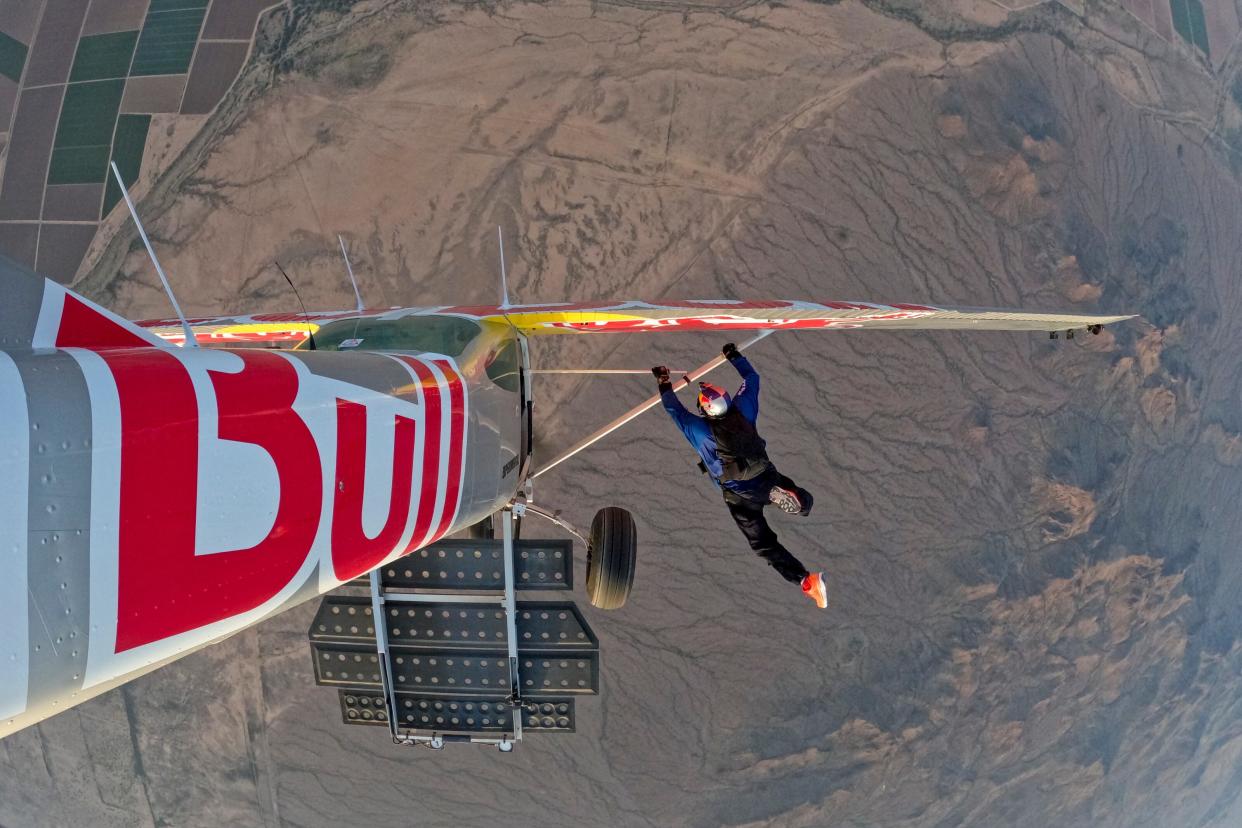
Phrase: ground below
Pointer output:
(1031, 545)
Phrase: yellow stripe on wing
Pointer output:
(541, 320)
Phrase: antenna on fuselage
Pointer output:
(310, 333)
(504, 276)
(350, 269)
(190, 340)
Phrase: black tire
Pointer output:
(611, 555)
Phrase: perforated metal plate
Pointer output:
(542, 673)
(479, 564)
(552, 673)
(474, 673)
(555, 624)
(542, 624)
(346, 665)
(343, 618)
(450, 671)
(442, 714)
(453, 626)
(456, 714)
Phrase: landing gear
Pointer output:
(612, 550)
(611, 557)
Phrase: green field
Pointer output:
(127, 148)
(175, 5)
(168, 37)
(1190, 24)
(12, 57)
(78, 165)
(84, 133)
(89, 113)
(103, 56)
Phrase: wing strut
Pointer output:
(190, 341)
(650, 402)
(596, 371)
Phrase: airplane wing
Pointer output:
(726, 315)
(638, 317)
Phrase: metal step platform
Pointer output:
(475, 672)
(477, 564)
(457, 657)
(346, 619)
(455, 715)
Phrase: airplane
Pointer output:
(169, 483)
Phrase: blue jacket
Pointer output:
(699, 433)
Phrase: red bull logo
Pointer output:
(215, 486)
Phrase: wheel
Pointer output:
(611, 554)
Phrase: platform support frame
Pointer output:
(508, 600)
(507, 517)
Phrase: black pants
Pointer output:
(747, 511)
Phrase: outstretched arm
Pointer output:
(691, 425)
(747, 399)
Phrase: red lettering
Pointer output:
(625, 324)
(159, 432)
(431, 452)
(81, 326)
(164, 587)
(352, 551)
(457, 434)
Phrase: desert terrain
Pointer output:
(1031, 545)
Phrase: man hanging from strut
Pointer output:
(736, 457)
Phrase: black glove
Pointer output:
(730, 351)
(660, 372)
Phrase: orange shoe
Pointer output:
(813, 587)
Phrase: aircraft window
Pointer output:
(502, 366)
(448, 335)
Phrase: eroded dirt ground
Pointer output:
(1032, 545)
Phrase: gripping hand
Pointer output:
(660, 372)
(730, 351)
